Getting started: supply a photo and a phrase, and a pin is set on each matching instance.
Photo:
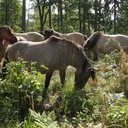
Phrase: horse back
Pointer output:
(51, 54)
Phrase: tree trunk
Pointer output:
(95, 9)
(24, 16)
(61, 15)
(50, 21)
(6, 13)
(79, 8)
(115, 16)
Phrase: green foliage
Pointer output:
(118, 113)
(83, 108)
(19, 90)
(82, 15)
(103, 103)
(123, 21)
(37, 120)
(10, 12)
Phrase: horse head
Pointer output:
(83, 75)
(6, 33)
(47, 33)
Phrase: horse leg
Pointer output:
(47, 82)
(62, 74)
(3, 70)
(3, 74)
(95, 58)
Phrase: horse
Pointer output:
(5, 40)
(56, 54)
(74, 36)
(6, 37)
(30, 36)
(99, 42)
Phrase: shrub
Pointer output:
(19, 91)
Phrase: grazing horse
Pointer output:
(6, 37)
(56, 54)
(30, 36)
(99, 42)
(75, 36)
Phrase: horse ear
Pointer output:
(42, 32)
(51, 31)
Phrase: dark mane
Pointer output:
(91, 42)
(49, 32)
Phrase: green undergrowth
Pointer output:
(102, 104)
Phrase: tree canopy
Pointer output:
(84, 16)
(10, 13)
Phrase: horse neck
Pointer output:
(77, 59)
(1, 40)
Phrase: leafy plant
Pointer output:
(20, 90)
(118, 113)
(98, 106)
(37, 120)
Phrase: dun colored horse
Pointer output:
(6, 37)
(56, 54)
(30, 36)
(74, 36)
(99, 42)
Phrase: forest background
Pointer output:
(85, 16)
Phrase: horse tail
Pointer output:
(6, 60)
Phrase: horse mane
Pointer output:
(91, 42)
